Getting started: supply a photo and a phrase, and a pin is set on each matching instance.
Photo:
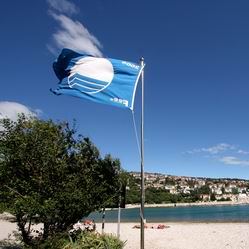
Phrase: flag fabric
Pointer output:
(102, 80)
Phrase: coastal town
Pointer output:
(221, 189)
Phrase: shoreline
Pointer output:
(188, 204)
(208, 213)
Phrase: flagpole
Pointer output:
(142, 220)
(119, 209)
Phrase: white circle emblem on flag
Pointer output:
(91, 75)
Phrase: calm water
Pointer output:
(226, 213)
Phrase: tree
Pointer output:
(235, 191)
(212, 197)
(204, 190)
(223, 190)
(50, 175)
(169, 181)
(133, 194)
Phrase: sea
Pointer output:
(219, 213)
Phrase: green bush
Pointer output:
(84, 240)
(5, 244)
(224, 199)
(95, 240)
(56, 241)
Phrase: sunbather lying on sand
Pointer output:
(159, 226)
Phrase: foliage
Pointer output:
(50, 175)
(235, 191)
(212, 197)
(3, 207)
(192, 197)
(224, 199)
(94, 240)
(5, 244)
(133, 193)
(86, 240)
(153, 195)
(56, 241)
(169, 181)
(223, 190)
(205, 189)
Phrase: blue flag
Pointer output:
(102, 80)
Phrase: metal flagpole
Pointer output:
(119, 210)
(142, 161)
(103, 220)
(118, 228)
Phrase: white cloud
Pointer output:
(63, 6)
(221, 147)
(72, 34)
(230, 160)
(223, 152)
(12, 109)
(243, 152)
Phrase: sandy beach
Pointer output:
(177, 236)
(185, 235)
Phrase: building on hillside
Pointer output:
(171, 189)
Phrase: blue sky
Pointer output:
(196, 77)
